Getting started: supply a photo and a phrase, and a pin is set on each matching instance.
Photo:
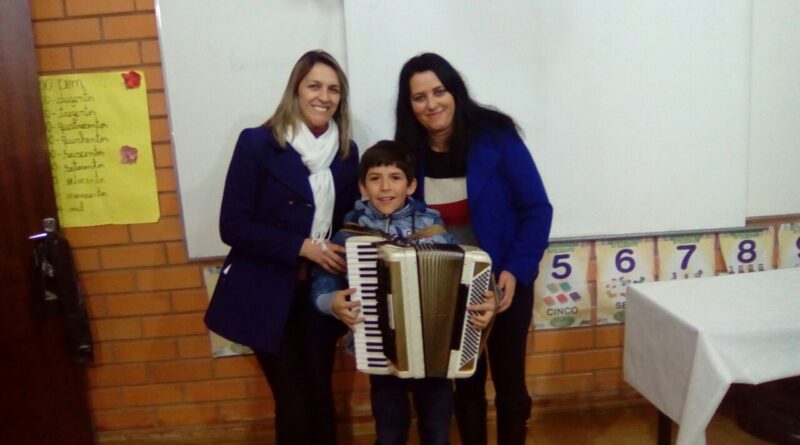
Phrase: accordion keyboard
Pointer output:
(362, 258)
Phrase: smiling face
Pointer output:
(318, 96)
(431, 103)
(387, 188)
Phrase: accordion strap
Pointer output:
(435, 229)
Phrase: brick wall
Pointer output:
(153, 377)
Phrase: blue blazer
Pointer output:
(267, 211)
(509, 210)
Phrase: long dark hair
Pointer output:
(468, 117)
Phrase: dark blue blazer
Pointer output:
(508, 206)
(267, 211)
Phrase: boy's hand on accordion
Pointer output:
(507, 282)
(326, 254)
(347, 311)
(481, 315)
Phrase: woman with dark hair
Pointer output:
(474, 168)
(289, 184)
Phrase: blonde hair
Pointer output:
(287, 114)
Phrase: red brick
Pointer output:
(96, 236)
(194, 346)
(116, 329)
(153, 77)
(166, 180)
(608, 380)
(46, 9)
(169, 204)
(117, 375)
(181, 371)
(173, 325)
(94, 7)
(563, 384)
(133, 256)
(228, 389)
(135, 26)
(162, 154)
(258, 388)
(145, 350)
(137, 304)
(102, 353)
(124, 419)
(107, 282)
(189, 300)
(609, 336)
(106, 55)
(152, 395)
(53, 59)
(96, 306)
(86, 259)
(595, 359)
(151, 53)
(194, 414)
(246, 411)
(563, 340)
(179, 277)
(105, 398)
(543, 364)
(350, 381)
(58, 32)
(159, 129)
(145, 5)
(166, 229)
(176, 253)
(236, 367)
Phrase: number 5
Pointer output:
(557, 263)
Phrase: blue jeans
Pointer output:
(433, 401)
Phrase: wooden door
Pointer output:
(43, 396)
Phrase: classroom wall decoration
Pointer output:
(220, 346)
(686, 256)
(98, 134)
(747, 251)
(561, 292)
(789, 245)
(620, 262)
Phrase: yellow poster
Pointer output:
(747, 251)
(98, 133)
(686, 256)
(561, 292)
(620, 263)
(220, 346)
(789, 245)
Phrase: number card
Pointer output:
(620, 263)
(561, 292)
(220, 346)
(748, 251)
(789, 245)
(686, 256)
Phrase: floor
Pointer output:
(632, 425)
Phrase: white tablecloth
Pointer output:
(687, 341)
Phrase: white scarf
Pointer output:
(317, 154)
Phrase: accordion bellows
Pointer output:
(414, 303)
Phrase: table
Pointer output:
(687, 341)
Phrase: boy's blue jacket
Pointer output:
(413, 217)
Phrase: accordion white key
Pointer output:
(414, 300)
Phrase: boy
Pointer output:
(386, 179)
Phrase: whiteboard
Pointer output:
(635, 112)
(225, 65)
(774, 160)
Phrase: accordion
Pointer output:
(414, 303)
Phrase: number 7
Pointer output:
(689, 248)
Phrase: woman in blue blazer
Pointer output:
(475, 169)
(289, 184)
